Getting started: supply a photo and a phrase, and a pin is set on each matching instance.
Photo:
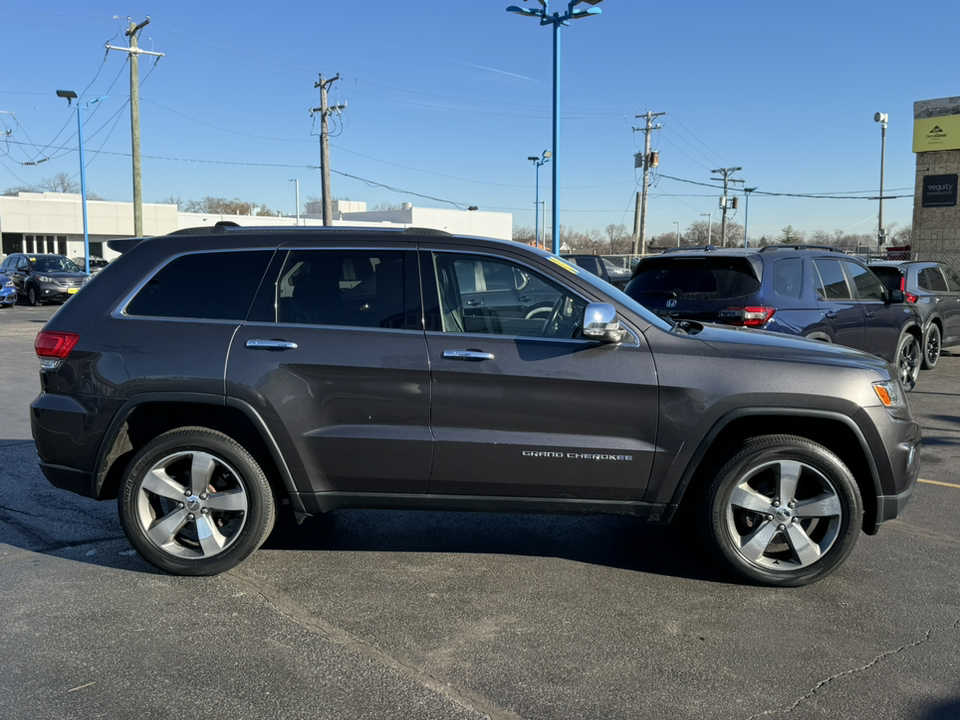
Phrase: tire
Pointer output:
(783, 511)
(33, 297)
(194, 502)
(908, 360)
(931, 347)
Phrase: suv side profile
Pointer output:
(339, 368)
(818, 293)
(39, 277)
(933, 288)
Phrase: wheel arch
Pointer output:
(834, 431)
(145, 417)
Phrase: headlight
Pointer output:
(44, 278)
(890, 394)
(8, 283)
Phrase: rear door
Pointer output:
(523, 406)
(333, 357)
(842, 316)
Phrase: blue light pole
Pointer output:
(557, 20)
(538, 161)
(70, 95)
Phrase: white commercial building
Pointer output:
(53, 222)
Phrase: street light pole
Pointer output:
(557, 20)
(709, 227)
(538, 161)
(746, 214)
(70, 95)
(297, 181)
(881, 118)
(678, 232)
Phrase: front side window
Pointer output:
(507, 300)
(214, 285)
(868, 287)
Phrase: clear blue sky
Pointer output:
(448, 99)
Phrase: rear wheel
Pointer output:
(195, 502)
(908, 360)
(931, 347)
(783, 511)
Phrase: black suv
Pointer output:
(347, 368)
(815, 292)
(933, 288)
(39, 278)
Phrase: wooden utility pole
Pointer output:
(724, 201)
(135, 52)
(640, 214)
(325, 111)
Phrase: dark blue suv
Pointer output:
(815, 292)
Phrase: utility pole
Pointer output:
(135, 52)
(325, 111)
(726, 172)
(640, 213)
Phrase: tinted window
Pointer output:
(930, 278)
(867, 286)
(833, 283)
(696, 278)
(787, 275)
(356, 288)
(218, 285)
(953, 280)
(890, 276)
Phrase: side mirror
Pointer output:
(600, 322)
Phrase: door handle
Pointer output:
(830, 314)
(466, 355)
(474, 302)
(870, 314)
(271, 345)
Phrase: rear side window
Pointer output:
(215, 286)
(953, 279)
(931, 278)
(708, 278)
(787, 275)
(832, 283)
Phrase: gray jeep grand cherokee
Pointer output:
(208, 376)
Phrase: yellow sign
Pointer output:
(936, 133)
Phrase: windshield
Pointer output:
(55, 263)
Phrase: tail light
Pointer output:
(909, 297)
(750, 316)
(53, 347)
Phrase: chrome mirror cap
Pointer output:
(600, 322)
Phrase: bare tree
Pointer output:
(522, 234)
(61, 183)
(621, 242)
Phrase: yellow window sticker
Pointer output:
(565, 265)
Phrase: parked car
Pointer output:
(40, 278)
(326, 368)
(814, 292)
(96, 263)
(602, 267)
(8, 293)
(933, 288)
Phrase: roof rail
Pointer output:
(800, 246)
(705, 248)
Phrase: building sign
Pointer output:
(936, 125)
(939, 191)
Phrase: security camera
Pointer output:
(880, 117)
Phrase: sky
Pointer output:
(446, 101)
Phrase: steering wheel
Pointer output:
(552, 325)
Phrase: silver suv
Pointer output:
(208, 378)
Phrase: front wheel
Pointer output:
(33, 297)
(193, 501)
(783, 511)
(908, 360)
(931, 347)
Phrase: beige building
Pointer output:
(53, 222)
(936, 215)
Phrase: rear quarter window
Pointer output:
(213, 285)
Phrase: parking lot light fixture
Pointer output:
(538, 161)
(557, 20)
(70, 96)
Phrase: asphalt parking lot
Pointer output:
(375, 614)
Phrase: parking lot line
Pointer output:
(936, 482)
